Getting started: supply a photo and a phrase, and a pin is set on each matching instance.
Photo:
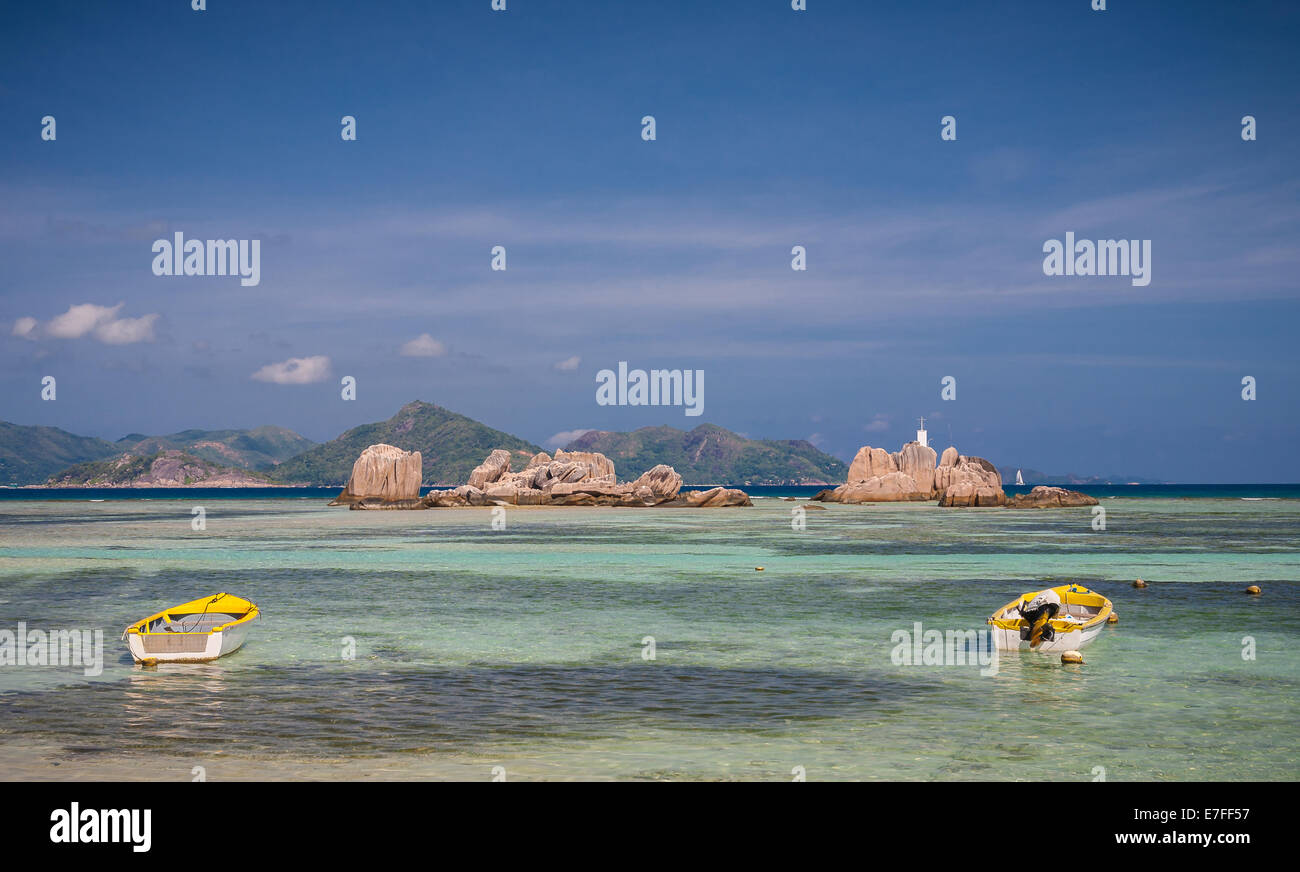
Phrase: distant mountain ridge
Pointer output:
(450, 445)
(1034, 476)
(30, 455)
(710, 454)
(260, 448)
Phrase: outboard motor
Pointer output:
(1037, 614)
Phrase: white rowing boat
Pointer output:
(1078, 618)
(193, 632)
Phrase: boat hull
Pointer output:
(187, 647)
(1009, 640)
(193, 632)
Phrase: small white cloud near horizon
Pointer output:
(424, 345)
(564, 437)
(569, 364)
(84, 319)
(295, 371)
(879, 424)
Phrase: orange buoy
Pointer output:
(1254, 590)
(1113, 619)
(758, 569)
(1071, 657)
(1139, 583)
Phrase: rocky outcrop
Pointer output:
(714, 498)
(1044, 497)
(967, 482)
(657, 485)
(892, 487)
(596, 465)
(969, 494)
(487, 472)
(916, 461)
(570, 478)
(971, 475)
(870, 463)
(876, 476)
(383, 474)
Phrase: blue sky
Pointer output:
(775, 128)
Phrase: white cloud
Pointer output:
(80, 320)
(564, 437)
(295, 371)
(423, 345)
(879, 424)
(88, 319)
(569, 364)
(124, 331)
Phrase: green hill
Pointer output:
(170, 468)
(29, 455)
(260, 448)
(450, 446)
(713, 455)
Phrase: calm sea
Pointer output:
(606, 643)
(1161, 491)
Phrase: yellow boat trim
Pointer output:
(1070, 594)
(222, 602)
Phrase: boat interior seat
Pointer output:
(192, 623)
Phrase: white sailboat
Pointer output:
(1020, 479)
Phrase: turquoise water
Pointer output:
(523, 648)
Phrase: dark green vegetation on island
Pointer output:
(450, 446)
(710, 454)
(115, 470)
(32, 455)
(29, 455)
(260, 448)
(170, 468)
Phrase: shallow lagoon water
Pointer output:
(523, 648)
